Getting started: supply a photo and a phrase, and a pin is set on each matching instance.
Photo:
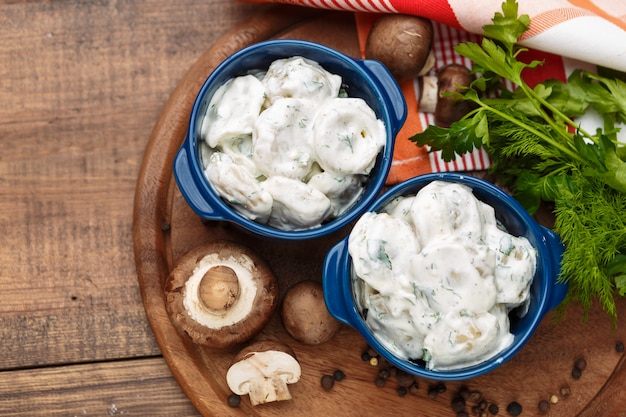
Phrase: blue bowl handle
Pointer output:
(335, 296)
(189, 187)
(392, 94)
(555, 251)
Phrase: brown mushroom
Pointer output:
(305, 316)
(262, 370)
(221, 294)
(403, 44)
(435, 97)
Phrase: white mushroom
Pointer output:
(262, 370)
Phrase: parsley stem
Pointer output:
(564, 149)
(530, 93)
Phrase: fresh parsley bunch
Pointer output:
(541, 153)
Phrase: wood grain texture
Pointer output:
(139, 387)
(536, 373)
(81, 85)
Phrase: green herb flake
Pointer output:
(347, 139)
(378, 252)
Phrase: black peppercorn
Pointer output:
(514, 408)
(619, 347)
(384, 373)
(233, 400)
(379, 382)
(458, 404)
(580, 364)
(441, 388)
(543, 406)
(404, 379)
(464, 392)
(432, 391)
(401, 391)
(327, 382)
(493, 409)
(339, 375)
(576, 373)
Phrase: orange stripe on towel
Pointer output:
(591, 6)
(409, 160)
(551, 18)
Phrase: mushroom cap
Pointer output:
(305, 316)
(204, 325)
(402, 43)
(452, 78)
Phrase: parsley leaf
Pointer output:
(542, 154)
(507, 26)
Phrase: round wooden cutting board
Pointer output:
(165, 228)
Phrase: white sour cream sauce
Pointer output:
(285, 148)
(438, 276)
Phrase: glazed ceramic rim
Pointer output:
(543, 295)
(286, 48)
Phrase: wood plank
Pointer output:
(141, 387)
(82, 85)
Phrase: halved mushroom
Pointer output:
(262, 370)
(434, 97)
(221, 294)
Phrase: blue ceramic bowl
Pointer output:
(545, 294)
(365, 79)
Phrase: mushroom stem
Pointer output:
(219, 288)
(268, 389)
(429, 94)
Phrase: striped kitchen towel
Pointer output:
(555, 36)
(410, 160)
(587, 30)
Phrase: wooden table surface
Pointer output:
(82, 84)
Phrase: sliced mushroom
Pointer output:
(434, 97)
(221, 294)
(263, 370)
(305, 316)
